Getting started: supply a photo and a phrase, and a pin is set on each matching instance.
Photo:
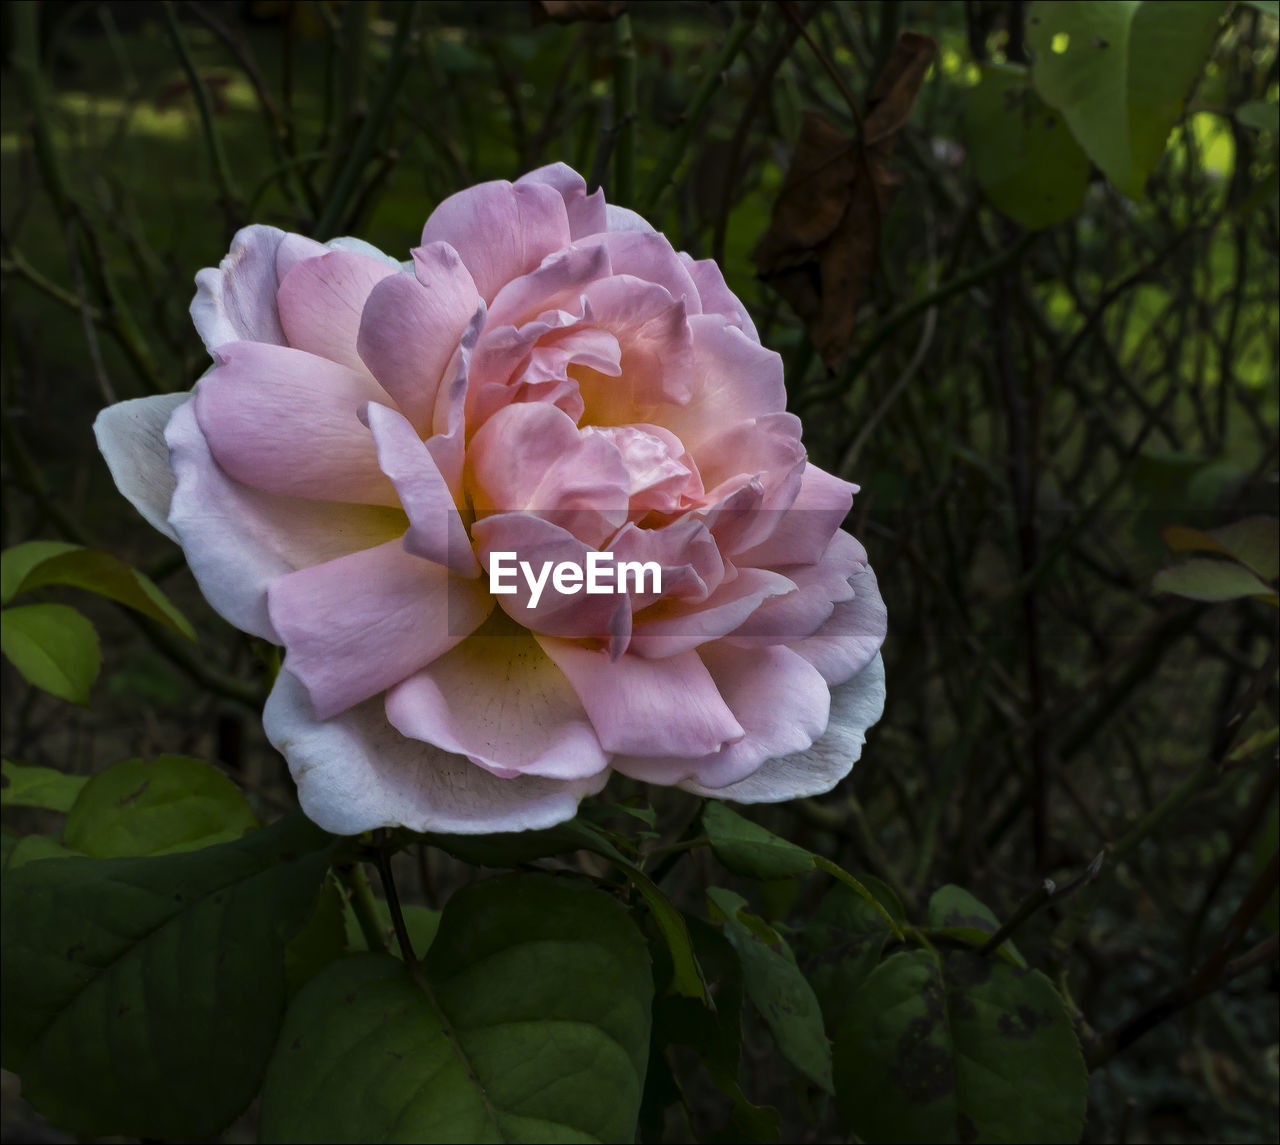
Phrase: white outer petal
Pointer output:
(625, 219)
(355, 772)
(855, 706)
(131, 439)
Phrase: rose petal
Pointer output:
(355, 626)
(557, 282)
(498, 699)
(131, 439)
(236, 302)
(777, 696)
(621, 219)
(586, 212)
(855, 706)
(322, 299)
(501, 230)
(286, 421)
(649, 257)
(651, 707)
(852, 636)
(356, 773)
(436, 532)
(237, 540)
(411, 326)
(717, 298)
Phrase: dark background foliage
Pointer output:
(1025, 411)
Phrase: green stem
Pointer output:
(664, 174)
(364, 905)
(343, 189)
(623, 191)
(26, 65)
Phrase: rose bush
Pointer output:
(546, 376)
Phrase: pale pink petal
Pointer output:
(447, 443)
(355, 773)
(354, 626)
(411, 326)
(500, 230)
(738, 380)
(237, 540)
(130, 437)
(294, 249)
(532, 458)
(436, 532)
(651, 258)
(685, 550)
(624, 219)
(287, 422)
(852, 636)
(321, 301)
(805, 528)
(586, 212)
(779, 699)
(236, 302)
(819, 588)
(716, 296)
(855, 706)
(654, 707)
(668, 629)
(557, 282)
(537, 542)
(499, 700)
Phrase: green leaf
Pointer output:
(1260, 114)
(1203, 578)
(528, 1021)
(175, 804)
(45, 787)
(1120, 73)
(321, 940)
(100, 573)
(32, 847)
(955, 913)
(142, 997)
(513, 848)
(748, 849)
(18, 560)
(842, 944)
(1268, 7)
(776, 987)
(1255, 542)
(53, 647)
(1024, 157)
(957, 1049)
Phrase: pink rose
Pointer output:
(547, 378)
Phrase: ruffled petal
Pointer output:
(321, 302)
(436, 531)
(237, 540)
(287, 422)
(357, 625)
(498, 699)
(411, 327)
(716, 296)
(131, 439)
(586, 213)
(355, 773)
(654, 707)
(805, 528)
(236, 301)
(855, 706)
(778, 697)
(501, 230)
(852, 635)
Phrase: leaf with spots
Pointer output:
(142, 996)
(956, 914)
(528, 1020)
(958, 1048)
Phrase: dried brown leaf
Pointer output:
(823, 239)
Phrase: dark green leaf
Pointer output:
(143, 996)
(1203, 578)
(53, 647)
(321, 939)
(776, 987)
(136, 808)
(528, 1021)
(18, 560)
(45, 787)
(956, 1050)
(1023, 155)
(955, 913)
(421, 922)
(748, 849)
(32, 847)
